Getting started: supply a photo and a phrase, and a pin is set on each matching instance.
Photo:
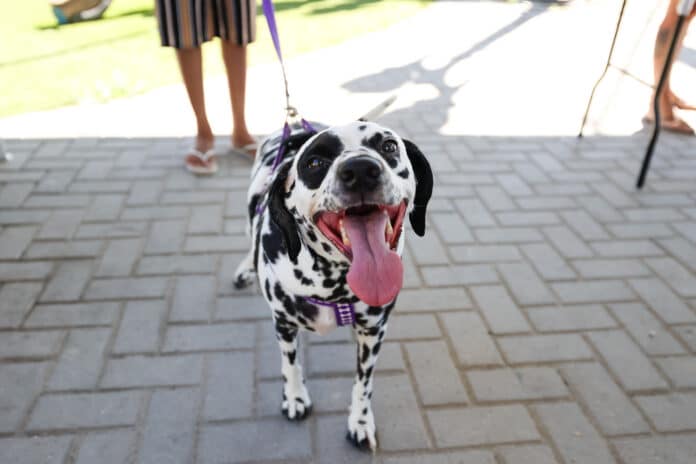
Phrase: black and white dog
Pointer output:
(327, 232)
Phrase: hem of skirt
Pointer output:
(198, 44)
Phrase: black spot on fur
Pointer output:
(326, 247)
(375, 349)
(316, 159)
(362, 127)
(403, 174)
(291, 356)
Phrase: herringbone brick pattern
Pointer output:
(549, 315)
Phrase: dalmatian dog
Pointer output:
(327, 227)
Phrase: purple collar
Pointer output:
(345, 312)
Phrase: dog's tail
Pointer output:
(378, 110)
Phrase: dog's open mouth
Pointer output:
(368, 236)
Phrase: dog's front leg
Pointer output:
(296, 402)
(361, 422)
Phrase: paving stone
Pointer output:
(209, 337)
(142, 371)
(170, 427)
(448, 276)
(611, 268)
(177, 264)
(111, 230)
(585, 225)
(574, 436)
(30, 344)
(35, 270)
(452, 228)
(570, 318)
(482, 425)
(110, 447)
(548, 262)
(119, 258)
(57, 201)
(399, 424)
(243, 307)
(85, 410)
(13, 195)
(263, 440)
(105, 208)
(35, 450)
(81, 360)
(154, 213)
(612, 410)
(471, 340)
(663, 449)
(676, 276)
(453, 457)
(507, 235)
(431, 360)
(205, 219)
(413, 326)
(681, 371)
(331, 359)
(670, 413)
(682, 250)
(216, 243)
(165, 237)
(126, 288)
(525, 285)
(139, 331)
(14, 241)
(68, 282)
(527, 383)
(19, 385)
(631, 367)
(544, 348)
(500, 311)
(688, 335)
(474, 213)
(567, 243)
(73, 315)
(668, 306)
(16, 300)
(60, 250)
(432, 299)
(427, 252)
(593, 291)
(527, 454)
(646, 330)
(55, 181)
(62, 224)
(144, 192)
(485, 253)
(626, 249)
(230, 386)
(194, 298)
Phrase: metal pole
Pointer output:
(656, 104)
(606, 68)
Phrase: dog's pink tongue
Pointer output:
(376, 273)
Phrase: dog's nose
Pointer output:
(360, 174)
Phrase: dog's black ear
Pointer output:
(279, 214)
(424, 186)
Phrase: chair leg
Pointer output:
(606, 68)
(656, 104)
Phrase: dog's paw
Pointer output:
(243, 279)
(362, 432)
(296, 405)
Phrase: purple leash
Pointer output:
(345, 312)
(291, 112)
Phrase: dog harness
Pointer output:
(345, 312)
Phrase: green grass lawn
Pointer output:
(43, 66)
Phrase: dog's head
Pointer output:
(355, 184)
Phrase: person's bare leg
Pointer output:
(668, 100)
(191, 66)
(235, 59)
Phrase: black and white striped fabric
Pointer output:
(189, 23)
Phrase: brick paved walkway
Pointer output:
(549, 316)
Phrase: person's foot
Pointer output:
(674, 124)
(679, 103)
(201, 158)
(244, 142)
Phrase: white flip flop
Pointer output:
(209, 167)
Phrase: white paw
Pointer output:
(244, 275)
(296, 403)
(362, 431)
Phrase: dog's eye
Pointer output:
(390, 146)
(315, 162)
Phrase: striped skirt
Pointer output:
(189, 23)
